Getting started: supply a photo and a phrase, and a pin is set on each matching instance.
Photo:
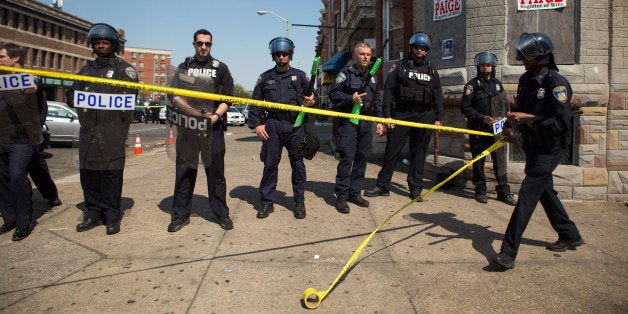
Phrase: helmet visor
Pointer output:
(529, 48)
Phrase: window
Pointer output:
(36, 25)
(60, 32)
(16, 19)
(140, 74)
(76, 37)
(44, 28)
(141, 64)
(4, 16)
(133, 64)
(141, 55)
(34, 55)
(163, 57)
(156, 57)
(42, 62)
(133, 55)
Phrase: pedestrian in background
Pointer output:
(412, 92)
(544, 100)
(353, 142)
(103, 132)
(287, 85)
(202, 72)
(479, 96)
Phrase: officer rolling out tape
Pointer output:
(313, 298)
(237, 100)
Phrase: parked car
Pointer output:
(162, 115)
(140, 115)
(62, 122)
(234, 116)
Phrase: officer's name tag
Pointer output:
(498, 126)
(16, 81)
(104, 101)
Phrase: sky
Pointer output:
(240, 35)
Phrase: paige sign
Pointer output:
(444, 9)
(526, 5)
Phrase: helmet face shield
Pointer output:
(533, 45)
(486, 58)
(282, 44)
(104, 31)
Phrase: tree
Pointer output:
(240, 91)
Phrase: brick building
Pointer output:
(54, 40)
(590, 42)
(151, 66)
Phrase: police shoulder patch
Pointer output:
(392, 68)
(130, 72)
(560, 93)
(341, 77)
(215, 63)
(468, 89)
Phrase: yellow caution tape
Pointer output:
(313, 298)
(237, 100)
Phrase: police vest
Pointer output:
(414, 86)
(202, 78)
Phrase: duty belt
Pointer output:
(283, 116)
(413, 108)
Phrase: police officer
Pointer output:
(412, 92)
(103, 132)
(286, 85)
(20, 133)
(479, 96)
(543, 101)
(353, 142)
(202, 72)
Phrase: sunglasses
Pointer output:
(201, 43)
(280, 53)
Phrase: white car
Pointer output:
(234, 116)
(62, 122)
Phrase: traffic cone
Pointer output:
(138, 146)
(171, 139)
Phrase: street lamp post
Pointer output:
(262, 12)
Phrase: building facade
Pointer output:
(590, 49)
(152, 66)
(54, 40)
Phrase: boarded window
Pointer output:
(558, 24)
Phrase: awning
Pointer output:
(336, 62)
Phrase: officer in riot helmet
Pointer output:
(287, 85)
(412, 92)
(484, 103)
(204, 73)
(542, 116)
(104, 129)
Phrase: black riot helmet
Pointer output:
(536, 46)
(106, 31)
(485, 58)
(281, 44)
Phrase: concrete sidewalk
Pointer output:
(433, 257)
